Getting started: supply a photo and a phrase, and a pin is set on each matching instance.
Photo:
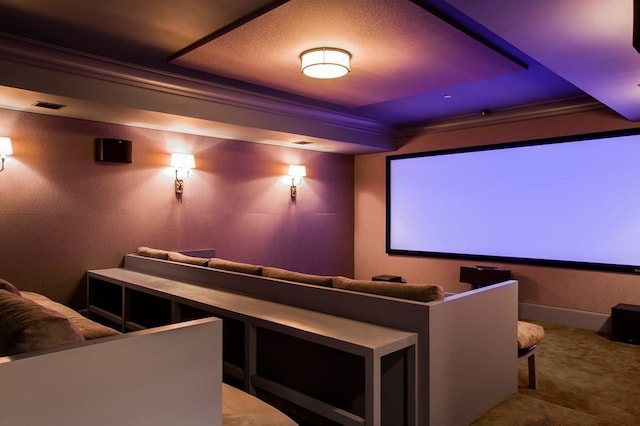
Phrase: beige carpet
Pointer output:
(584, 378)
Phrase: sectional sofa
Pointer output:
(466, 350)
(60, 368)
(416, 292)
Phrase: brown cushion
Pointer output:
(242, 409)
(229, 265)
(418, 292)
(151, 252)
(89, 329)
(183, 258)
(529, 334)
(26, 326)
(6, 285)
(284, 274)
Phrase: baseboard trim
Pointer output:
(581, 319)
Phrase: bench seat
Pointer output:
(529, 335)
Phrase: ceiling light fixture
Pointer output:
(325, 62)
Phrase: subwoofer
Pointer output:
(481, 276)
(625, 323)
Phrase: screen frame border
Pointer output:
(632, 269)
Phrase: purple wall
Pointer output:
(62, 213)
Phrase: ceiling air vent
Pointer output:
(48, 105)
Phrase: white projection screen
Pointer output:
(571, 202)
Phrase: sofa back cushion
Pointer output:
(152, 252)
(88, 328)
(228, 265)
(299, 277)
(26, 326)
(418, 292)
(174, 256)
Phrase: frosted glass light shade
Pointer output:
(5, 146)
(183, 161)
(325, 62)
(297, 171)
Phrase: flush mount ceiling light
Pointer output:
(325, 62)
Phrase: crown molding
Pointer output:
(507, 115)
(258, 109)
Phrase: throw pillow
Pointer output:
(26, 326)
(89, 329)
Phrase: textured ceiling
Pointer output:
(140, 31)
(227, 68)
(398, 49)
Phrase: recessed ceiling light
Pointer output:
(447, 96)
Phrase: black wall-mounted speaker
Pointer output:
(113, 150)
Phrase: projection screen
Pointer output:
(570, 202)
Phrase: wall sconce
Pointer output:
(182, 161)
(296, 173)
(5, 149)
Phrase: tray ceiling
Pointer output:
(398, 49)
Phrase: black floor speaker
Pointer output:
(625, 323)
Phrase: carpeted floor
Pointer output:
(584, 378)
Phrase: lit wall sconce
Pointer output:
(296, 173)
(5, 149)
(182, 161)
